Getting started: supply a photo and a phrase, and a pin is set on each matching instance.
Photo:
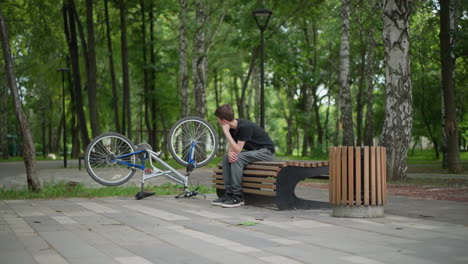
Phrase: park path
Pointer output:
(161, 229)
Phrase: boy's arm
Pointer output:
(233, 146)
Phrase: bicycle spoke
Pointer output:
(101, 162)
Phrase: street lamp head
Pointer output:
(62, 70)
(262, 16)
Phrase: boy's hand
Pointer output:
(233, 157)
(226, 128)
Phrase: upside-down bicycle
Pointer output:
(111, 159)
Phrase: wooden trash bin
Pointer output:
(358, 181)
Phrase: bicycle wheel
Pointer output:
(193, 137)
(102, 162)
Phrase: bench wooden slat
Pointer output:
(260, 173)
(263, 167)
(271, 163)
(344, 179)
(248, 179)
(252, 173)
(358, 179)
(250, 185)
(379, 177)
(350, 175)
(338, 175)
(373, 176)
(253, 179)
(366, 175)
(261, 192)
(384, 176)
(257, 185)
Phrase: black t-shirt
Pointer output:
(254, 136)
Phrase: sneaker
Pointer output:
(234, 201)
(221, 200)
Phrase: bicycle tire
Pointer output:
(188, 130)
(100, 159)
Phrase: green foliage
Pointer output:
(301, 58)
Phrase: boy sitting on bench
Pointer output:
(241, 135)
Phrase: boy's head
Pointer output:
(225, 112)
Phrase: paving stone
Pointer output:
(73, 248)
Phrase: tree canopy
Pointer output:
(143, 95)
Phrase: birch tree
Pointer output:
(345, 93)
(202, 43)
(398, 117)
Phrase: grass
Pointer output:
(52, 190)
(20, 158)
(316, 180)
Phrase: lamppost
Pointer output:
(261, 17)
(63, 71)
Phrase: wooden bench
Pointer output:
(275, 179)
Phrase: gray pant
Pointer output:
(232, 172)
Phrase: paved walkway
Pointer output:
(161, 229)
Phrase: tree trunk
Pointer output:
(312, 59)
(152, 78)
(29, 151)
(215, 86)
(360, 95)
(115, 97)
(4, 119)
(243, 113)
(345, 93)
(256, 96)
(74, 57)
(447, 57)
(336, 136)
(306, 110)
(199, 60)
(327, 118)
(183, 71)
(369, 127)
(92, 73)
(73, 122)
(126, 116)
(146, 93)
(398, 118)
(289, 122)
(235, 88)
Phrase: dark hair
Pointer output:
(225, 112)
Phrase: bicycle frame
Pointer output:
(156, 172)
